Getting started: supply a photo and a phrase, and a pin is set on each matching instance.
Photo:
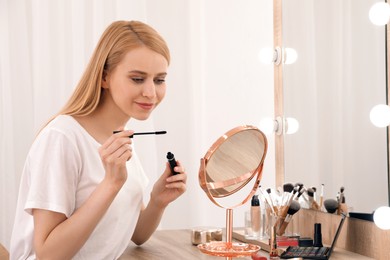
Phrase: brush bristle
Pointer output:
(310, 192)
(288, 187)
(294, 207)
(331, 205)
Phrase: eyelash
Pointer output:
(141, 80)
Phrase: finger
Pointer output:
(123, 134)
(177, 185)
(121, 155)
(114, 145)
(123, 151)
(182, 177)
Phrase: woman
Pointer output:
(81, 189)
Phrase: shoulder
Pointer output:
(62, 129)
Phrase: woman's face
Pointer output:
(137, 84)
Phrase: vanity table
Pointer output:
(176, 244)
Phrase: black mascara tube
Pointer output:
(172, 162)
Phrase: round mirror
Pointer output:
(232, 162)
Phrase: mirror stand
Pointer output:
(233, 161)
(228, 248)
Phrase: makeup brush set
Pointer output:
(286, 201)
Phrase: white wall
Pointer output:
(215, 83)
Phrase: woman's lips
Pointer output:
(146, 106)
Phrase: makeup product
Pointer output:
(331, 205)
(255, 215)
(322, 197)
(314, 252)
(317, 235)
(284, 241)
(267, 199)
(303, 190)
(314, 193)
(172, 162)
(288, 188)
(201, 235)
(312, 203)
(145, 133)
(274, 204)
(293, 208)
(341, 200)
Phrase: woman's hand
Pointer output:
(114, 154)
(169, 187)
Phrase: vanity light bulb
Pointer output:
(292, 125)
(380, 115)
(379, 13)
(266, 55)
(382, 217)
(267, 125)
(290, 55)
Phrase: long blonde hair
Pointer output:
(119, 38)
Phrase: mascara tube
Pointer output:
(172, 162)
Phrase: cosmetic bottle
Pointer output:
(255, 215)
(317, 235)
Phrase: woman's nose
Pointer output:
(149, 89)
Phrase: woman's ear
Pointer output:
(104, 80)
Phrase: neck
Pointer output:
(101, 123)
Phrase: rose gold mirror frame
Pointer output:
(229, 246)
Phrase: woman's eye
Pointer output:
(138, 80)
(159, 81)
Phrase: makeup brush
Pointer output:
(312, 203)
(331, 205)
(283, 210)
(299, 185)
(288, 188)
(267, 199)
(315, 193)
(303, 192)
(322, 196)
(272, 199)
(294, 208)
(342, 206)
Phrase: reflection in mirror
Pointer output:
(339, 76)
(229, 165)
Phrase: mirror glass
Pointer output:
(338, 77)
(233, 161)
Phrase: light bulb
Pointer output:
(292, 125)
(267, 125)
(382, 217)
(266, 55)
(290, 55)
(379, 13)
(380, 115)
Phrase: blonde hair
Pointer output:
(119, 38)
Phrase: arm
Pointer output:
(58, 237)
(167, 188)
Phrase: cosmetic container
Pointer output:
(202, 235)
(255, 215)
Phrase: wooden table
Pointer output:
(176, 244)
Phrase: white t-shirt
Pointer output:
(62, 169)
